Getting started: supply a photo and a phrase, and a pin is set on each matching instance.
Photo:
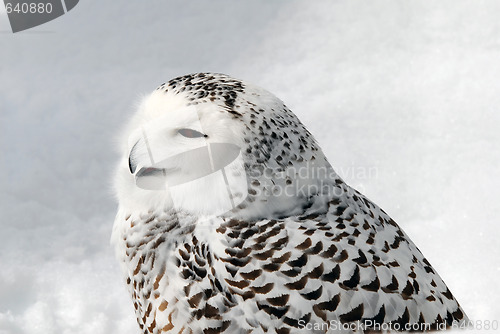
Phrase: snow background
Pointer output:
(402, 96)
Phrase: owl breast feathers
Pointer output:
(232, 220)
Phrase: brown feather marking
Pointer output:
(195, 300)
(163, 306)
(184, 255)
(280, 243)
(353, 281)
(298, 285)
(211, 312)
(291, 272)
(239, 284)
(252, 275)
(373, 285)
(299, 262)
(407, 291)
(277, 312)
(278, 301)
(392, 287)
(319, 312)
(330, 305)
(305, 244)
(271, 267)
(139, 263)
(333, 275)
(330, 252)
(283, 258)
(264, 255)
(316, 249)
(353, 315)
(262, 289)
(448, 294)
(313, 295)
(317, 272)
(342, 256)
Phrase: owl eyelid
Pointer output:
(190, 133)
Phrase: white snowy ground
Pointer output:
(403, 96)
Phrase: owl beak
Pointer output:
(132, 162)
(147, 176)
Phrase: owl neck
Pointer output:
(287, 192)
(139, 232)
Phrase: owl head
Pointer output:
(209, 144)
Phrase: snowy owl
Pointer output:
(231, 219)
